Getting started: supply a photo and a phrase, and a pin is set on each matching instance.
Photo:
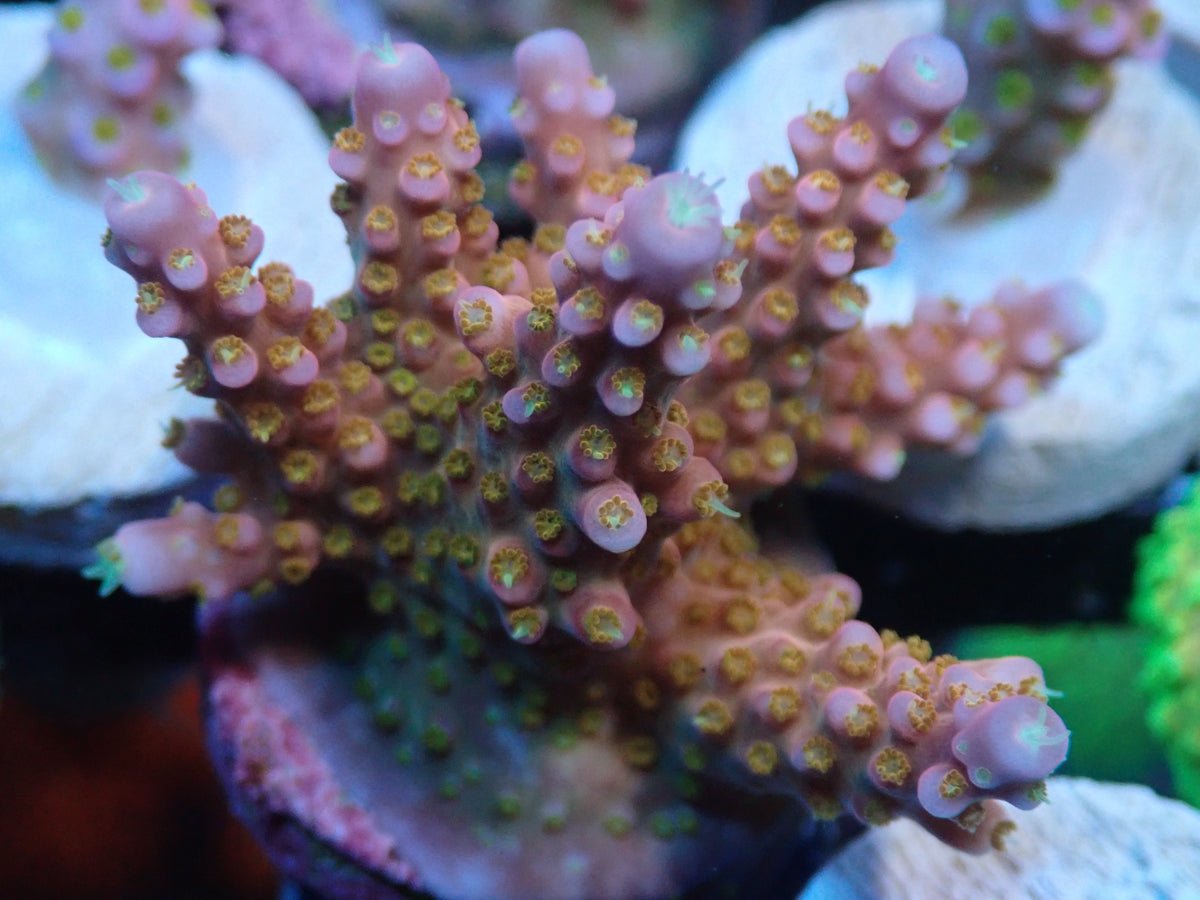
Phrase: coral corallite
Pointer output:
(555, 664)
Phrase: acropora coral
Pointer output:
(572, 671)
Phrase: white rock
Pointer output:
(1121, 219)
(1092, 841)
(83, 393)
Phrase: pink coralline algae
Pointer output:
(564, 667)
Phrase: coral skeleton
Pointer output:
(571, 671)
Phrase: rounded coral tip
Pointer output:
(671, 230)
(927, 72)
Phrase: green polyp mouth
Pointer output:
(108, 569)
(129, 188)
(690, 203)
(385, 51)
(925, 69)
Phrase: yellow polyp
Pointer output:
(295, 569)
(458, 465)
(781, 305)
(566, 360)
(602, 626)
(622, 126)
(784, 230)
(424, 166)
(121, 57)
(921, 714)
(825, 616)
(349, 140)
(434, 542)
(338, 542)
(366, 501)
(848, 297)
(713, 718)
(838, 240)
(233, 282)
(823, 681)
(685, 671)
(892, 184)
(355, 432)
(474, 317)
(597, 442)
(150, 297)
(784, 704)
(734, 344)
(791, 660)
(379, 355)
(762, 758)
(285, 353)
(821, 121)
(669, 454)
(567, 145)
(549, 238)
(379, 220)
(861, 133)
(466, 139)
(564, 580)
(629, 382)
(300, 467)
(777, 180)
(321, 326)
(892, 766)
(647, 694)
(819, 753)
(508, 565)
(397, 542)
(226, 531)
(263, 421)
(501, 362)
(1001, 690)
(464, 550)
(794, 583)
(588, 304)
(181, 259)
(525, 624)
(70, 18)
(379, 278)
(862, 721)
(971, 817)
(539, 467)
(319, 397)
(614, 513)
(548, 524)
(640, 752)
(739, 464)
(738, 664)
(742, 615)
(857, 660)
(493, 487)
(536, 398)
(708, 500)
(355, 376)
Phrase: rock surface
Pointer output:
(1092, 841)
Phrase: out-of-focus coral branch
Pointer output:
(110, 99)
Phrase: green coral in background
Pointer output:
(1166, 601)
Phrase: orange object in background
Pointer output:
(126, 807)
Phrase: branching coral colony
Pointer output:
(579, 677)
